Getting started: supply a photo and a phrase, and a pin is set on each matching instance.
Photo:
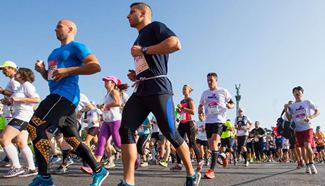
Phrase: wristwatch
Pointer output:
(144, 50)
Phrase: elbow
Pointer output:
(97, 68)
(178, 45)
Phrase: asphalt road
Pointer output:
(256, 174)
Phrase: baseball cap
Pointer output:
(112, 78)
(8, 64)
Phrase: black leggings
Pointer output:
(136, 110)
(57, 113)
(188, 128)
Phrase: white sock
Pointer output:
(29, 157)
(12, 154)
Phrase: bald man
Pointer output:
(56, 113)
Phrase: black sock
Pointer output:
(245, 156)
(214, 158)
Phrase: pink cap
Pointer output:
(112, 78)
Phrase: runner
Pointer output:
(302, 112)
(227, 143)
(186, 126)
(201, 138)
(259, 134)
(153, 92)
(215, 101)
(320, 142)
(243, 125)
(57, 111)
(22, 101)
(9, 69)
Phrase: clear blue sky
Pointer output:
(267, 46)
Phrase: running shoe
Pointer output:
(123, 183)
(224, 162)
(110, 165)
(153, 162)
(163, 163)
(313, 169)
(144, 164)
(69, 161)
(61, 170)
(177, 167)
(55, 160)
(193, 180)
(98, 178)
(14, 172)
(308, 171)
(5, 163)
(209, 174)
(246, 164)
(86, 169)
(40, 181)
(29, 172)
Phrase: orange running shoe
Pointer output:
(209, 174)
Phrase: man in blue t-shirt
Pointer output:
(56, 113)
(153, 90)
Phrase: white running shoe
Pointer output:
(313, 168)
(308, 171)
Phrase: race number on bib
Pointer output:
(140, 64)
(213, 110)
(53, 65)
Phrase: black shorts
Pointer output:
(93, 131)
(320, 148)
(213, 128)
(136, 110)
(227, 142)
(201, 142)
(18, 124)
(242, 141)
(55, 112)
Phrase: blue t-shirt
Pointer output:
(69, 55)
(153, 34)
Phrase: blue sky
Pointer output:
(267, 46)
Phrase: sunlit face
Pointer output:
(186, 90)
(212, 82)
(134, 17)
(8, 71)
(241, 113)
(109, 85)
(298, 94)
(62, 30)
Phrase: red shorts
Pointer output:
(304, 136)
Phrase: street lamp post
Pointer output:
(238, 96)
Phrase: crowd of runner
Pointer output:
(142, 129)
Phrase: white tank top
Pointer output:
(113, 113)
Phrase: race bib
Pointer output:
(53, 65)
(140, 64)
(182, 116)
(107, 115)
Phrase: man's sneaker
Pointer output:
(209, 174)
(69, 161)
(153, 162)
(5, 163)
(144, 164)
(61, 170)
(123, 183)
(40, 181)
(246, 164)
(99, 177)
(29, 172)
(14, 172)
(177, 167)
(308, 171)
(313, 169)
(110, 165)
(86, 169)
(55, 160)
(193, 180)
(199, 165)
(163, 163)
